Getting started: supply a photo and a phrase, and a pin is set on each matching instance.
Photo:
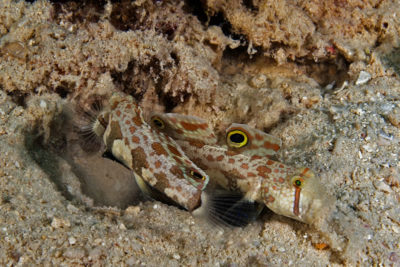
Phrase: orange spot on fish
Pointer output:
(137, 120)
(255, 157)
(244, 166)
(231, 153)
(192, 127)
(269, 145)
(159, 149)
(174, 150)
(157, 164)
(251, 174)
(132, 129)
(220, 158)
(135, 139)
(259, 137)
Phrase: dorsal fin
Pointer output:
(249, 141)
(184, 127)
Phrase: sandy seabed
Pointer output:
(323, 77)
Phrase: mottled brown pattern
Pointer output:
(196, 144)
(244, 166)
(262, 170)
(174, 150)
(132, 129)
(178, 160)
(251, 174)
(210, 158)
(114, 105)
(219, 158)
(116, 132)
(175, 170)
(139, 159)
(255, 157)
(159, 149)
(135, 139)
(231, 153)
(157, 164)
(272, 146)
(193, 126)
(137, 120)
(259, 137)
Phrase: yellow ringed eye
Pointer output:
(237, 138)
(197, 175)
(159, 123)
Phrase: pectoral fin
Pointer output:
(229, 208)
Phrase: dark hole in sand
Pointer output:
(105, 181)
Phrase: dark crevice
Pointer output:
(170, 102)
(196, 8)
(250, 5)
(126, 16)
(78, 11)
(62, 91)
(324, 73)
(18, 97)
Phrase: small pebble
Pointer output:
(363, 77)
(176, 256)
(60, 223)
(74, 253)
(72, 240)
(393, 257)
(382, 186)
(72, 208)
(96, 253)
(394, 117)
(132, 210)
(258, 81)
(43, 104)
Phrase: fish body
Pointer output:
(156, 159)
(241, 162)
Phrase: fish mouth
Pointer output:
(311, 202)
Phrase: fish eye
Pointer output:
(159, 123)
(237, 138)
(197, 175)
(298, 181)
